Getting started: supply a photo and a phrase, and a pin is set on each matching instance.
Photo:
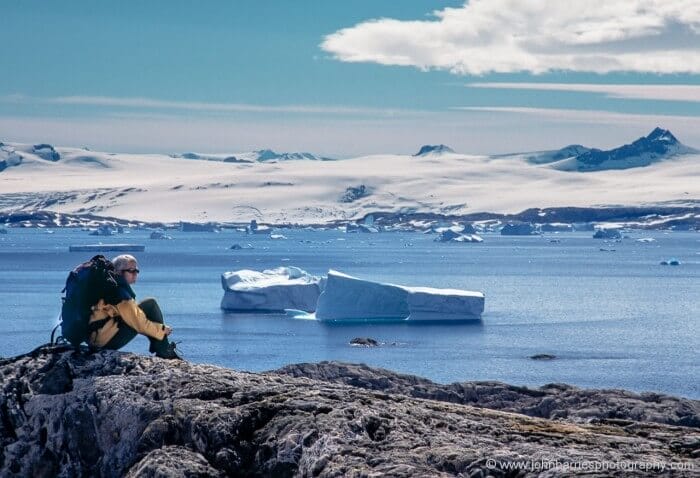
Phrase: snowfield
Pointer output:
(151, 187)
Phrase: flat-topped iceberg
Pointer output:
(339, 297)
(427, 303)
(270, 290)
(349, 298)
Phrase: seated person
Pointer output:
(114, 326)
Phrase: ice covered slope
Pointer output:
(657, 146)
(170, 189)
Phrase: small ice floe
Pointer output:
(543, 357)
(103, 230)
(199, 227)
(519, 229)
(270, 290)
(352, 227)
(449, 235)
(670, 262)
(646, 239)
(607, 234)
(107, 248)
(556, 227)
(255, 228)
(277, 236)
(160, 235)
(238, 247)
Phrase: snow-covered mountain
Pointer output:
(430, 150)
(658, 145)
(229, 188)
(566, 152)
(260, 155)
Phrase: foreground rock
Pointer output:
(553, 401)
(114, 414)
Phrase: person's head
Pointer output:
(127, 266)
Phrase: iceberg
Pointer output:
(340, 297)
(450, 235)
(519, 229)
(349, 298)
(346, 297)
(159, 235)
(270, 290)
(607, 234)
(427, 303)
(103, 230)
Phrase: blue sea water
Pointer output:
(614, 318)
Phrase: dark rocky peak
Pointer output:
(267, 155)
(433, 149)
(658, 145)
(569, 151)
(46, 151)
(661, 135)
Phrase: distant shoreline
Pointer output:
(676, 216)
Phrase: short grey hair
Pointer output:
(123, 261)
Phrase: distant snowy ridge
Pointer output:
(45, 156)
(9, 157)
(260, 155)
(657, 146)
(157, 188)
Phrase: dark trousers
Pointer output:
(126, 333)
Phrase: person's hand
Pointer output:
(168, 330)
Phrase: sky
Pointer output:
(348, 78)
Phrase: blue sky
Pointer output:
(348, 78)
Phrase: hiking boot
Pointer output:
(169, 353)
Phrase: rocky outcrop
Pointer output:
(433, 149)
(117, 414)
(552, 401)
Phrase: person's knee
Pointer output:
(152, 310)
(148, 302)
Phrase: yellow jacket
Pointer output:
(130, 313)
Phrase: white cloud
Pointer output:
(204, 107)
(537, 36)
(689, 93)
(151, 103)
(594, 116)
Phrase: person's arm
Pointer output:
(133, 316)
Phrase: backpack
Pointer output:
(85, 286)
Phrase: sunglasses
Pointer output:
(131, 271)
